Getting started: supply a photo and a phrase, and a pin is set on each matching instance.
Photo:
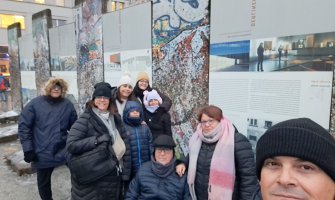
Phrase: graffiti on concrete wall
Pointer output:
(89, 49)
(14, 32)
(180, 60)
(40, 26)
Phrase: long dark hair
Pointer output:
(131, 97)
(138, 92)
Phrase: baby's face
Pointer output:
(153, 102)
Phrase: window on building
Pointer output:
(267, 124)
(6, 20)
(114, 5)
(58, 22)
(60, 3)
(121, 5)
(40, 1)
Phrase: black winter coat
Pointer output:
(159, 122)
(245, 177)
(82, 138)
(148, 185)
(43, 128)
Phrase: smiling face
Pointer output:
(143, 84)
(153, 102)
(102, 103)
(285, 177)
(125, 91)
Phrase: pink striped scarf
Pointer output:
(222, 169)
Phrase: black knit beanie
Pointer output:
(102, 90)
(301, 138)
(164, 141)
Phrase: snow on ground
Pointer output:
(8, 114)
(8, 130)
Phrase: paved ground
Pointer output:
(14, 187)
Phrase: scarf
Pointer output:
(119, 146)
(160, 170)
(222, 169)
(152, 109)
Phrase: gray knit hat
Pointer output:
(301, 138)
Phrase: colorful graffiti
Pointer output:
(41, 23)
(89, 48)
(14, 32)
(180, 60)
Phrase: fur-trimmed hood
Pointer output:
(53, 81)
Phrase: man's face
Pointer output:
(285, 177)
(163, 155)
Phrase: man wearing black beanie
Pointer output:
(295, 159)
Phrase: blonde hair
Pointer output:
(52, 82)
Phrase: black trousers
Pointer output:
(44, 183)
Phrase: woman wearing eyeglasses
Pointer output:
(221, 162)
(142, 84)
(100, 125)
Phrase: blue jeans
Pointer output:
(3, 95)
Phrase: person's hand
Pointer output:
(103, 138)
(180, 169)
(30, 156)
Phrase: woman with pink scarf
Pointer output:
(221, 163)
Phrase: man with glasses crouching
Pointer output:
(157, 178)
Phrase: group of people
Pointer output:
(294, 159)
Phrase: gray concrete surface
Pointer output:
(24, 187)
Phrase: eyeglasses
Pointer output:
(208, 122)
(102, 98)
(56, 87)
(163, 149)
(144, 81)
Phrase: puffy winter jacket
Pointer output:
(245, 177)
(159, 122)
(140, 137)
(43, 128)
(82, 138)
(148, 185)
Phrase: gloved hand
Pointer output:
(104, 138)
(30, 156)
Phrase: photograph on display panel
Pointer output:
(309, 52)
